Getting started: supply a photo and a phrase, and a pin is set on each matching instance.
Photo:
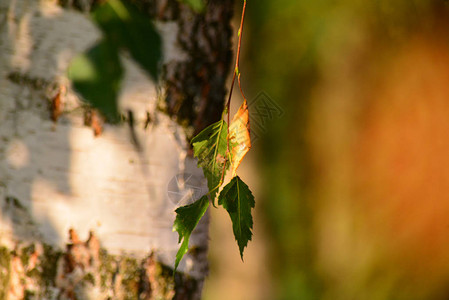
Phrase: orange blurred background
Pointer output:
(354, 177)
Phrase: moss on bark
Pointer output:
(84, 271)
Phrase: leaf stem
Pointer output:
(236, 74)
(237, 59)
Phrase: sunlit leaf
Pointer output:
(240, 136)
(96, 76)
(210, 147)
(187, 217)
(238, 200)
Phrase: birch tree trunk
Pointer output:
(90, 217)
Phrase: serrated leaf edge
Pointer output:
(220, 202)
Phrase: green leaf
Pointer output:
(197, 5)
(96, 76)
(126, 27)
(187, 217)
(238, 200)
(210, 147)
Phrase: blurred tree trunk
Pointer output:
(88, 215)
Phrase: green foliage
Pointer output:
(187, 217)
(96, 75)
(210, 147)
(196, 5)
(238, 200)
(217, 147)
(127, 28)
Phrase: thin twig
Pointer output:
(240, 86)
(236, 72)
(237, 59)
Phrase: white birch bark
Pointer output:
(60, 173)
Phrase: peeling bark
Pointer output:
(87, 271)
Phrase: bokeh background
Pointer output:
(352, 179)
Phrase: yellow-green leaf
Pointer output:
(210, 147)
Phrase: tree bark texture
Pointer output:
(88, 215)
